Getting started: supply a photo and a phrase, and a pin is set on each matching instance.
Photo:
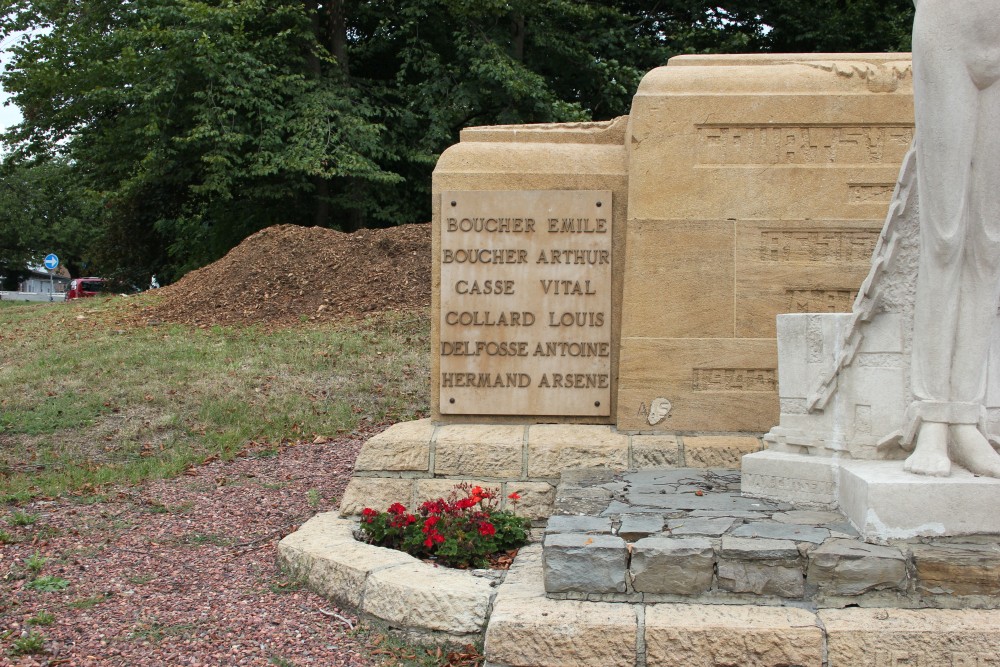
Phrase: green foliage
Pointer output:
(461, 531)
(42, 618)
(42, 210)
(19, 518)
(47, 584)
(35, 562)
(160, 133)
(30, 644)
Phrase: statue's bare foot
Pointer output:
(930, 455)
(972, 451)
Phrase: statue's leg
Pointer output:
(980, 288)
(946, 109)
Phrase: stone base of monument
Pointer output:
(413, 461)
(524, 626)
(882, 500)
(688, 535)
(528, 628)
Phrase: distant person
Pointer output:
(153, 282)
(956, 68)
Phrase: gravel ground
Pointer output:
(182, 571)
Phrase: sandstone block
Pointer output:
(554, 447)
(718, 451)
(958, 569)
(715, 635)
(423, 596)
(402, 446)
(586, 563)
(850, 567)
(432, 489)
(672, 565)
(712, 383)
(479, 450)
(335, 564)
(524, 578)
(699, 301)
(655, 451)
(860, 637)
(375, 492)
(546, 633)
(536, 499)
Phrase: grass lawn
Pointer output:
(86, 400)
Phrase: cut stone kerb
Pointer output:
(392, 588)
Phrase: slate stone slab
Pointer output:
(751, 548)
(637, 526)
(957, 569)
(672, 566)
(695, 526)
(782, 531)
(761, 578)
(726, 502)
(578, 524)
(584, 563)
(850, 567)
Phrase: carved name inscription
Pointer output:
(828, 246)
(865, 193)
(525, 323)
(821, 300)
(734, 379)
(739, 144)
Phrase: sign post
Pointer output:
(51, 263)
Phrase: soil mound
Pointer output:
(287, 274)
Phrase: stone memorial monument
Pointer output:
(604, 294)
(912, 372)
(654, 292)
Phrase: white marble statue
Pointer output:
(956, 67)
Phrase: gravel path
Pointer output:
(182, 571)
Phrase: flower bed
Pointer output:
(462, 531)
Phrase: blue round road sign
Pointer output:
(51, 261)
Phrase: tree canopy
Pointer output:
(158, 134)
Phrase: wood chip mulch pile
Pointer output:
(182, 571)
(287, 274)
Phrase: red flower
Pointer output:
(513, 496)
(368, 515)
(486, 529)
(396, 508)
(429, 523)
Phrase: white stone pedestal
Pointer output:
(882, 500)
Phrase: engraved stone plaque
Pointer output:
(525, 303)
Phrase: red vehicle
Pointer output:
(84, 287)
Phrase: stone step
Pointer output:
(529, 628)
(672, 535)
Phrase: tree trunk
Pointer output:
(337, 32)
(517, 37)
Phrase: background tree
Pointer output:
(188, 124)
